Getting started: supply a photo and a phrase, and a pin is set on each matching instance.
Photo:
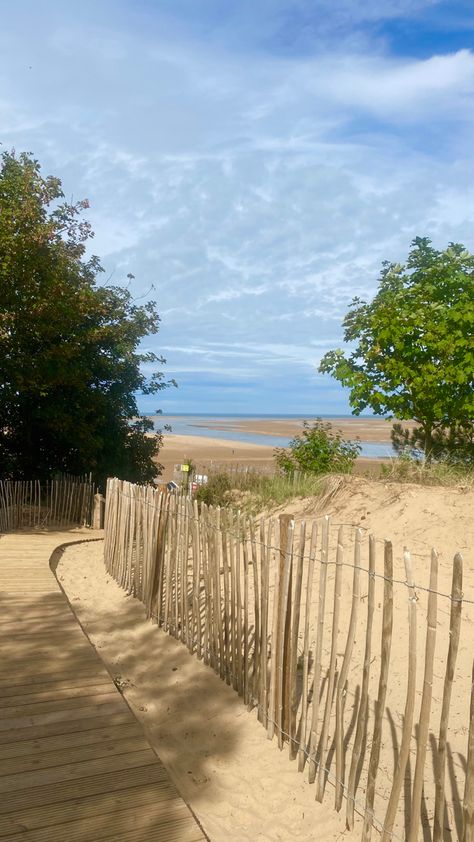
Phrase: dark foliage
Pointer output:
(454, 445)
(70, 360)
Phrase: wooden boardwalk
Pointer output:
(75, 765)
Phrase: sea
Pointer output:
(201, 424)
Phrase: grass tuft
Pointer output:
(434, 473)
(254, 492)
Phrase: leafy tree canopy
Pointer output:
(413, 351)
(317, 450)
(70, 360)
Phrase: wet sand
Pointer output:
(366, 429)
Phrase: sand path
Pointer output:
(240, 786)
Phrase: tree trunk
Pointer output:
(428, 430)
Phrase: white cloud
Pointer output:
(436, 87)
(259, 191)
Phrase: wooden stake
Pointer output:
(233, 604)
(227, 610)
(323, 572)
(256, 624)
(424, 723)
(264, 591)
(272, 718)
(454, 631)
(332, 664)
(217, 592)
(240, 683)
(197, 575)
(293, 648)
(284, 610)
(304, 702)
(409, 706)
(246, 614)
(282, 636)
(468, 806)
(362, 714)
(341, 684)
(387, 627)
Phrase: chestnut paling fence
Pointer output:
(67, 501)
(300, 621)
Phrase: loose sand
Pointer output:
(239, 784)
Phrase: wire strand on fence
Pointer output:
(464, 600)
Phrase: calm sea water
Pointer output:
(192, 425)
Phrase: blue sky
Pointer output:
(255, 161)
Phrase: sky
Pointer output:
(255, 161)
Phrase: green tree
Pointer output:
(454, 444)
(413, 355)
(317, 450)
(70, 360)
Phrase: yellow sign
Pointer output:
(185, 468)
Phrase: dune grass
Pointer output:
(422, 473)
(254, 492)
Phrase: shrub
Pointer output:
(318, 450)
(216, 491)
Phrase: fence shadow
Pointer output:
(186, 712)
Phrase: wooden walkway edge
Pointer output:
(74, 762)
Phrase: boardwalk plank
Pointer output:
(65, 756)
(51, 689)
(75, 763)
(65, 726)
(44, 745)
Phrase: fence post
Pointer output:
(363, 712)
(468, 806)
(387, 628)
(309, 591)
(318, 650)
(341, 683)
(98, 512)
(284, 632)
(454, 630)
(292, 697)
(282, 664)
(332, 665)
(409, 706)
(424, 723)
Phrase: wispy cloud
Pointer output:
(256, 162)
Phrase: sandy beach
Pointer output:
(202, 450)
